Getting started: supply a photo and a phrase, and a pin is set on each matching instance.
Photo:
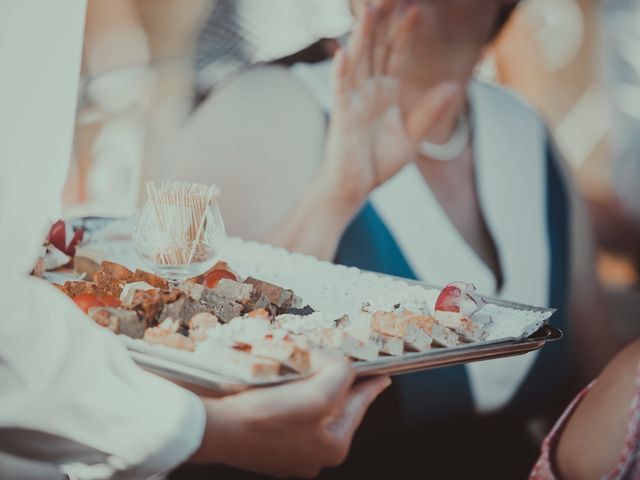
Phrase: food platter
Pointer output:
(386, 308)
(416, 362)
(215, 385)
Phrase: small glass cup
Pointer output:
(184, 250)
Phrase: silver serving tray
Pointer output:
(210, 384)
(447, 357)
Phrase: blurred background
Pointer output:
(165, 82)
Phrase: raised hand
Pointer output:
(370, 138)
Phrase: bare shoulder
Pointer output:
(594, 437)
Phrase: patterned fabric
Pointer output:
(628, 466)
(243, 33)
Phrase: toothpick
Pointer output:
(181, 211)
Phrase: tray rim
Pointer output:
(387, 365)
(217, 384)
(461, 355)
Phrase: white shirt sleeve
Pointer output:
(69, 394)
(63, 376)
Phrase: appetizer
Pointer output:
(253, 329)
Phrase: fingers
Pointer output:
(380, 39)
(315, 397)
(400, 38)
(360, 45)
(358, 402)
(381, 36)
(341, 91)
(430, 110)
(333, 379)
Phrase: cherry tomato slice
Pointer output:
(58, 235)
(110, 301)
(458, 297)
(86, 301)
(75, 241)
(212, 278)
(448, 299)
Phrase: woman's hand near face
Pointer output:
(370, 139)
(293, 430)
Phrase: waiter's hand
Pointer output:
(292, 430)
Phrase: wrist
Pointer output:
(331, 210)
(337, 194)
(317, 223)
(221, 428)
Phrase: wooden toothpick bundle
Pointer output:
(181, 213)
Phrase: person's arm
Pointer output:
(316, 224)
(369, 138)
(591, 444)
(114, 38)
(63, 376)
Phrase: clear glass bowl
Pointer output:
(184, 249)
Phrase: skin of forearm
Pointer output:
(104, 18)
(591, 443)
(316, 224)
(221, 430)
